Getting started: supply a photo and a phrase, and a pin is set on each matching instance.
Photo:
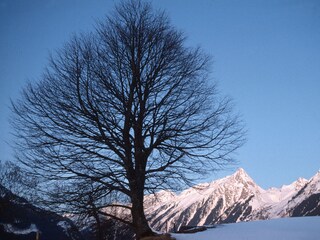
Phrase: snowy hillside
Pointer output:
(302, 228)
(234, 198)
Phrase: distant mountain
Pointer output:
(20, 220)
(234, 198)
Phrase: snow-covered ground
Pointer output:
(301, 228)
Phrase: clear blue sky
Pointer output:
(266, 57)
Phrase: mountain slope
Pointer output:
(20, 220)
(234, 198)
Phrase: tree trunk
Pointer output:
(99, 233)
(140, 223)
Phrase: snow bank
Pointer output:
(306, 228)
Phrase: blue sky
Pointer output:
(266, 57)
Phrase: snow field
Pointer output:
(301, 228)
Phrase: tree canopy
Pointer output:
(122, 111)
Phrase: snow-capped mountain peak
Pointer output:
(296, 185)
(241, 173)
(302, 181)
(316, 177)
(241, 176)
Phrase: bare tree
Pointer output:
(122, 111)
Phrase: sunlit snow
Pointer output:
(302, 228)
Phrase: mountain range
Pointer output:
(234, 198)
